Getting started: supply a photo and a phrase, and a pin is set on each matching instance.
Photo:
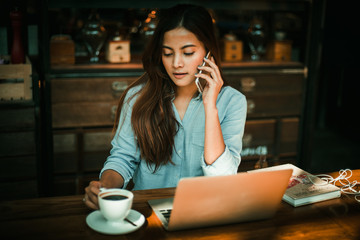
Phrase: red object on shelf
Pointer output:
(17, 50)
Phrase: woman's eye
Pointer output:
(189, 53)
(167, 54)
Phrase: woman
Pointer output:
(165, 128)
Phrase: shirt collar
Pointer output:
(196, 97)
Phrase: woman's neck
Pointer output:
(182, 99)
(187, 92)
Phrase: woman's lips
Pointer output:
(179, 75)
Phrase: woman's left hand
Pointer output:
(214, 82)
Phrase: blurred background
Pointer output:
(64, 64)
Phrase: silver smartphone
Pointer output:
(199, 84)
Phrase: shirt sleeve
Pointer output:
(226, 164)
(232, 121)
(124, 155)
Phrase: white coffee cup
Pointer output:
(115, 204)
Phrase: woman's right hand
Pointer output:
(91, 195)
(109, 179)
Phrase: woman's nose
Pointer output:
(178, 61)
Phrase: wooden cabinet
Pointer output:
(19, 132)
(289, 136)
(86, 102)
(79, 154)
(18, 150)
(270, 93)
(83, 112)
(274, 100)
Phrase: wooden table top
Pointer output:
(64, 218)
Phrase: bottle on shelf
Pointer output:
(17, 49)
(262, 162)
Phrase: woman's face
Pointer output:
(181, 55)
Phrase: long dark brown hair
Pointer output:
(153, 120)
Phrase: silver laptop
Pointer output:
(219, 200)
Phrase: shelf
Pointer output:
(14, 104)
(135, 69)
(137, 65)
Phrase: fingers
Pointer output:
(90, 204)
(91, 195)
(212, 69)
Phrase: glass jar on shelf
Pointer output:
(94, 35)
(256, 38)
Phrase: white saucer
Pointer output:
(97, 222)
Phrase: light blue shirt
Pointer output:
(188, 155)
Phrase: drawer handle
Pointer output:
(250, 106)
(247, 139)
(248, 84)
(118, 86)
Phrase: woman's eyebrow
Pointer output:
(189, 45)
(183, 47)
(167, 47)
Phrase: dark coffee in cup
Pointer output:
(115, 197)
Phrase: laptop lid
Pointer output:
(218, 200)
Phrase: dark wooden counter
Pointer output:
(64, 218)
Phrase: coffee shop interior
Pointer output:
(295, 61)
